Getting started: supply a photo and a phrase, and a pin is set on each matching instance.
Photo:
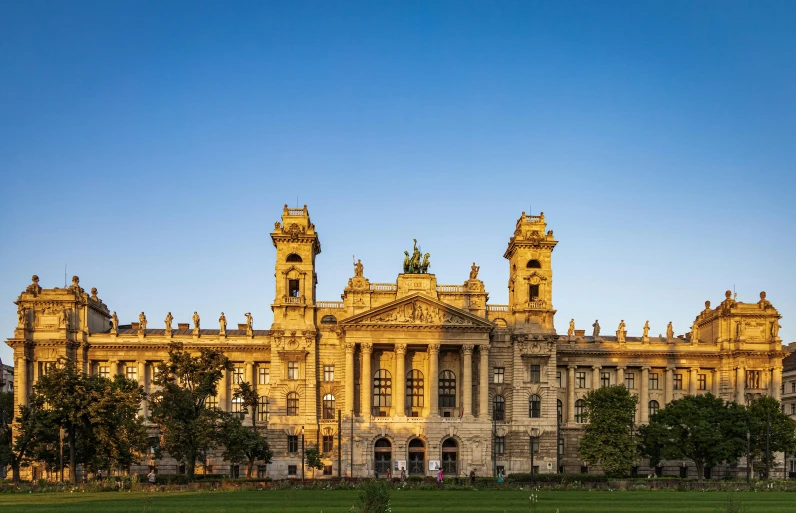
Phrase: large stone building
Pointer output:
(423, 374)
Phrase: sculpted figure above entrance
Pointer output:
(413, 263)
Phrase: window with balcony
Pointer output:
(382, 393)
(414, 392)
(447, 389)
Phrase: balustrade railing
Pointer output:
(292, 300)
(330, 304)
(497, 308)
(450, 288)
(388, 287)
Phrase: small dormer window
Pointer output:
(293, 258)
(293, 288)
(534, 264)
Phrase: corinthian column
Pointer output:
(739, 384)
(433, 370)
(595, 377)
(483, 384)
(571, 393)
(668, 391)
(141, 374)
(366, 378)
(467, 372)
(644, 398)
(22, 384)
(692, 381)
(349, 377)
(776, 383)
(399, 393)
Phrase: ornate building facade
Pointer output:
(415, 374)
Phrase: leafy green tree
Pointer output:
(701, 428)
(242, 444)
(782, 431)
(6, 418)
(609, 440)
(250, 400)
(187, 427)
(312, 455)
(34, 434)
(99, 416)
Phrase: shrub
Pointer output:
(374, 497)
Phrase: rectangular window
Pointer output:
(580, 379)
(292, 370)
(291, 470)
(264, 409)
(533, 292)
(653, 385)
(630, 380)
(500, 444)
(605, 379)
(561, 446)
(328, 372)
(558, 379)
(328, 443)
(237, 407)
(327, 470)
(678, 382)
(237, 375)
(47, 367)
(535, 444)
(211, 402)
(536, 372)
(584, 470)
(752, 379)
(104, 371)
(702, 381)
(264, 374)
(292, 443)
(499, 374)
(793, 387)
(131, 372)
(293, 288)
(793, 409)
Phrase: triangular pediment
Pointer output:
(417, 310)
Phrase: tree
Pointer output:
(609, 440)
(250, 400)
(6, 417)
(186, 425)
(99, 416)
(701, 428)
(781, 430)
(313, 458)
(34, 434)
(243, 444)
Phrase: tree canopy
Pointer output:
(609, 440)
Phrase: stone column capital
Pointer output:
(367, 347)
(349, 347)
(400, 348)
(596, 367)
(484, 350)
(646, 368)
(468, 349)
(621, 367)
(433, 349)
(572, 367)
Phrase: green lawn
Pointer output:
(453, 501)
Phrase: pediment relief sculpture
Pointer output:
(418, 312)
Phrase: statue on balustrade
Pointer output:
(646, 329)
(669, 331)
(142, 321)
(114, 322)
(571, 330)
(196, 321)
(222, 322)
(596, 326)
(169, 320)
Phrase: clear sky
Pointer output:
(150, 147)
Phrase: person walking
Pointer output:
(151, 477)
(500, 476)
(440, 477)
(472, 477)
(403, 475)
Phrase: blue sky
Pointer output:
(150, 147)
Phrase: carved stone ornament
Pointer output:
(418, 312)
(34, 287)
(94, 294)
(294, 230)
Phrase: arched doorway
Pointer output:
(417, 457)
(382, 454)
(450, 457)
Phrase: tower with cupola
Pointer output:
(529, 254)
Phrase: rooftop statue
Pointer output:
(596, 326)
(358, 268)
(474, 271)
(669, 331)
(413, 264)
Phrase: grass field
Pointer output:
(334, 501)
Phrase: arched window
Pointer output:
(263, 409)
(535, 407)
(654, 407)
(414, 392)
(329, 319)
(293, 258)
(499, 408)
(447, 389)
(534, 264)
(417, 457)
(382, 453)
(328, 407)
(292, 404)
(382, 393)
(560, 408)
(580, 411)
(450, 457)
